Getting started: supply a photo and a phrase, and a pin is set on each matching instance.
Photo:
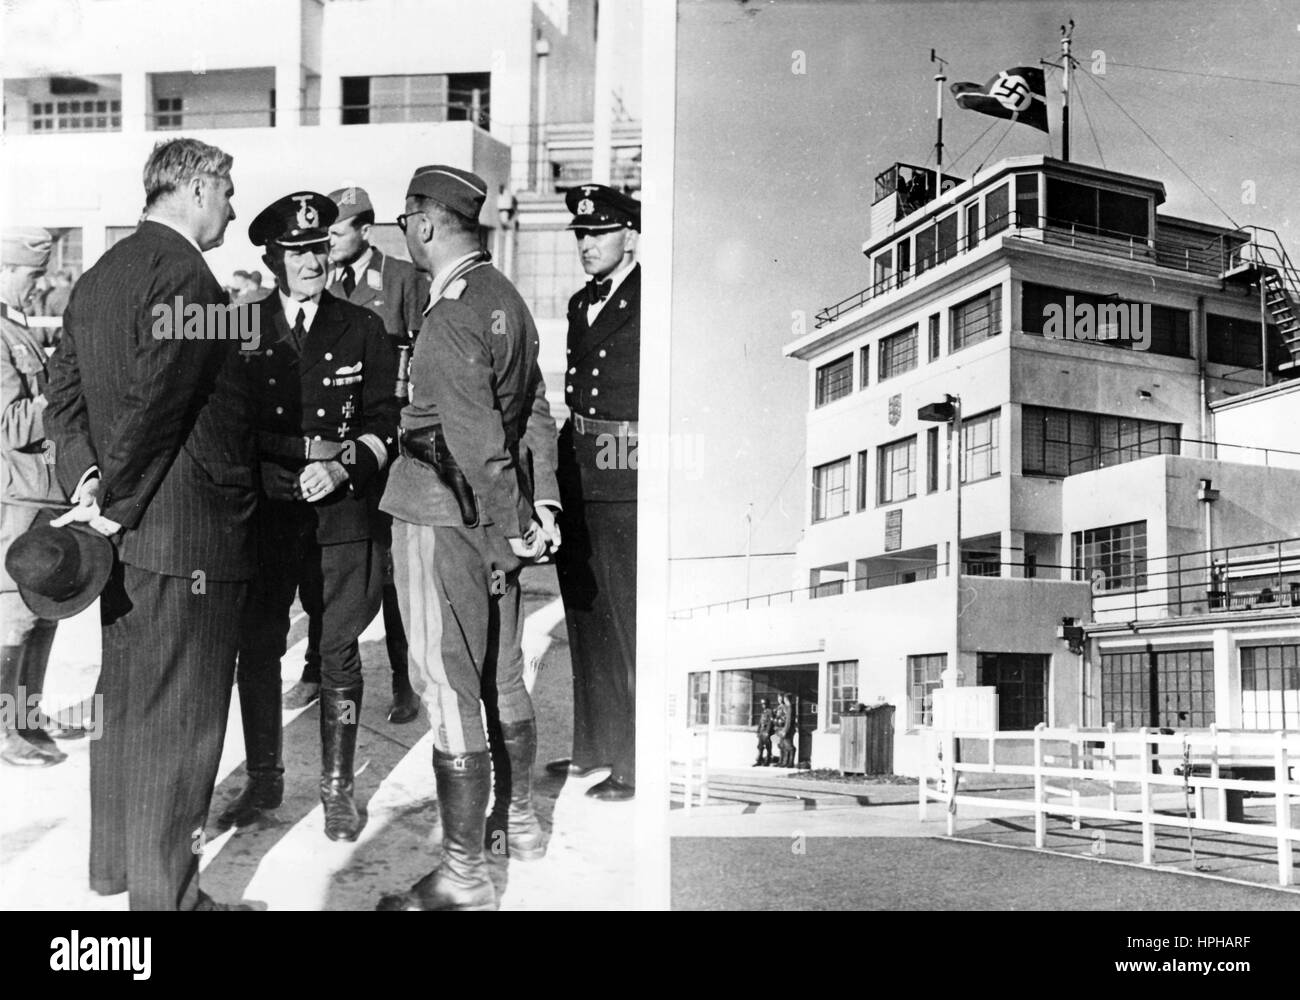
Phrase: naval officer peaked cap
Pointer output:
(600, 208)
(351, 201)
(297, 220)
(460, 190)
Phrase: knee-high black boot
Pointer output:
(340, 716)
(405, 706)
(460, 882)
(259, 708)
(15, 745)
(513, 827)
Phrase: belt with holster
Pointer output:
(282, 456)
(617, 428)
(427, 445)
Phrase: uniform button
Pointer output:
(279, 410)
(270, 381)
(316, 438)
(569, 388)
(329, 356)
(320, 413)
(592, 411)
(573, 371)
(567, 350)
(595, 371)
(270, 351)
(602, 354)
(595, 392)
(324, 381)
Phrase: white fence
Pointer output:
(1207, 767)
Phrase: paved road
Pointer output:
(918, 873)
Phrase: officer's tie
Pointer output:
(349, 282)
(299, 330)
(598, 291)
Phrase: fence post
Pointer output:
(1148, 828)
(1040, 797)
(1282, 812)
(950, 738)
(1220, 793)
(1114, 797)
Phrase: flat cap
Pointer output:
(297, 220)
(461, 191)
(598, 208)
(25, 246)
(351, 201)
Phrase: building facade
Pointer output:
(1128, 534)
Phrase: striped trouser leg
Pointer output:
(414, 546)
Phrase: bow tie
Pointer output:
(598, 291)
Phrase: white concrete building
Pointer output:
(317, 94)
(1096, 474)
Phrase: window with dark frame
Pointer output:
(897, 354)
(997, 210)
(972, 225)
(168, 113)
(980, 441)
(1062, 443)
(864, 366)
(830, 490)
(975, 319)
(945, 238)
(933, 345)
(1270, 687)
(932, 460)
(924, 674)
(1170, 331)
(1027, 200)
(1236, 342)
(903, 260)
(1168, 688)
(896, 471)
(842, 679)
(864, 483)
(925, 249)
(698, 697)
(835, 380)
(1119, 551)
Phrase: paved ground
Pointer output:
(776, 840)
(288, 863)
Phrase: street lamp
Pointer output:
(949, 412)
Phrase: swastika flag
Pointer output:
(1018, 93)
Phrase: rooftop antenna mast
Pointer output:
(1066, 37)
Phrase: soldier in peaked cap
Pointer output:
(364, 275)
(326, 425)
(597, 476)
(27, 458)
(471, 498)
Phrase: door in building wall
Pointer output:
(1021, 682)
(800, 682)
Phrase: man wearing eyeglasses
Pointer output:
(326, 423)
(469, 499)
(598, 479)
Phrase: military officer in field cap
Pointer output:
(470, 497)
(597, 475)
(364, 275)
(326, 423)
(27, 461)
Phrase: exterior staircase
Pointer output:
(1264, 259)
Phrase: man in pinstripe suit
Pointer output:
(155, 449)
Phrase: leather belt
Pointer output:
(297, 447)
(618, 428)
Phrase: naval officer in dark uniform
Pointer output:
(597, 477)
(326, 425)
(364, 275)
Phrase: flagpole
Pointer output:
(1065, 91)
(940, 79)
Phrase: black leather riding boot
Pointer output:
(513, 828)
(460, 882)
(15, 747)
(259, 708)
(340, 716)
(406, 705)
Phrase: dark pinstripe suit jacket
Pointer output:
(166, 420)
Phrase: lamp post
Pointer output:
(949, 412)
